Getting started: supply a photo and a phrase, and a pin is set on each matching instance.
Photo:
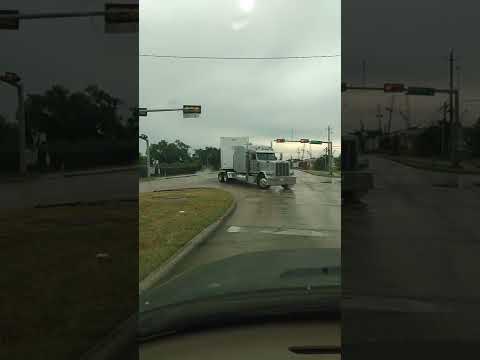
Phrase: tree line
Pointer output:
(177, 154)
(82, 128)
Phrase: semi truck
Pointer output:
(254, 164)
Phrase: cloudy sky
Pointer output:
(262, 99)
(408, 41)
(71, 52)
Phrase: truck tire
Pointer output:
(261, 182)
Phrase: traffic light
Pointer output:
(393, 87)
(304, 141)
(9, 23)
(10, 77)
(121, 18)
(344, 87)
(280, 140)
(192, 109)
(142, 112)
(421, 91)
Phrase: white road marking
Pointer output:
(234, 229)
(290, 232)
(295, 232)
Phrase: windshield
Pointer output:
(215, 225)
(266, 156)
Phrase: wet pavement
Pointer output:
(307, 216)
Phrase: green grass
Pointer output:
(57, 298)
(164, 229)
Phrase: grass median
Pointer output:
(58, 297)
(169, 219)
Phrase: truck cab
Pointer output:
(245, 162)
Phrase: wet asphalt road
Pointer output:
(410, 256)
(413, 238)
(306, 216)
(57, 189)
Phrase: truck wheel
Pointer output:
(262, 182)
(221, 177)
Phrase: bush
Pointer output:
(179, 168)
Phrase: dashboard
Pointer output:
(280, 340)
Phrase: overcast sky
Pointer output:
(262, 99)
(408, 41)
(71, 52)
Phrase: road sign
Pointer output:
(421, 91)
(316, 142)
(142, 112)
(304, 141)
(121, 18)
(10, 77)
(9, 23)
(280, 140)
(393, 87)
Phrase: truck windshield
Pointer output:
(266, 156)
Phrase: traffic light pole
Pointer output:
(454, 121)
(21, 128)
(59, 15)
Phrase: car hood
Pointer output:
(249, 273)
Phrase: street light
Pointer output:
(145, 138)
(14, 80)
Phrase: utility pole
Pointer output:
(379, 117)
(145, 138)
(329, 152)
(442, 128)
(454, 118)
(21, 128)
(450, 125)
(14, 80)
(390, 111)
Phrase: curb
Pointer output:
(327, 176)
(432, 169)
(116, 340)
(100, 172)
(124, 334)
(200, 238)
(176, 177)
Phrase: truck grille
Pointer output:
(281, 169)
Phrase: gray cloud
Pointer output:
(71, 52)
(409, 42)
(260, 99)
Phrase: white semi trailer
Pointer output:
(242, 161)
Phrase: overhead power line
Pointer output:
(239, 58)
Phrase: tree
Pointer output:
(87, 114)
(209, 157)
